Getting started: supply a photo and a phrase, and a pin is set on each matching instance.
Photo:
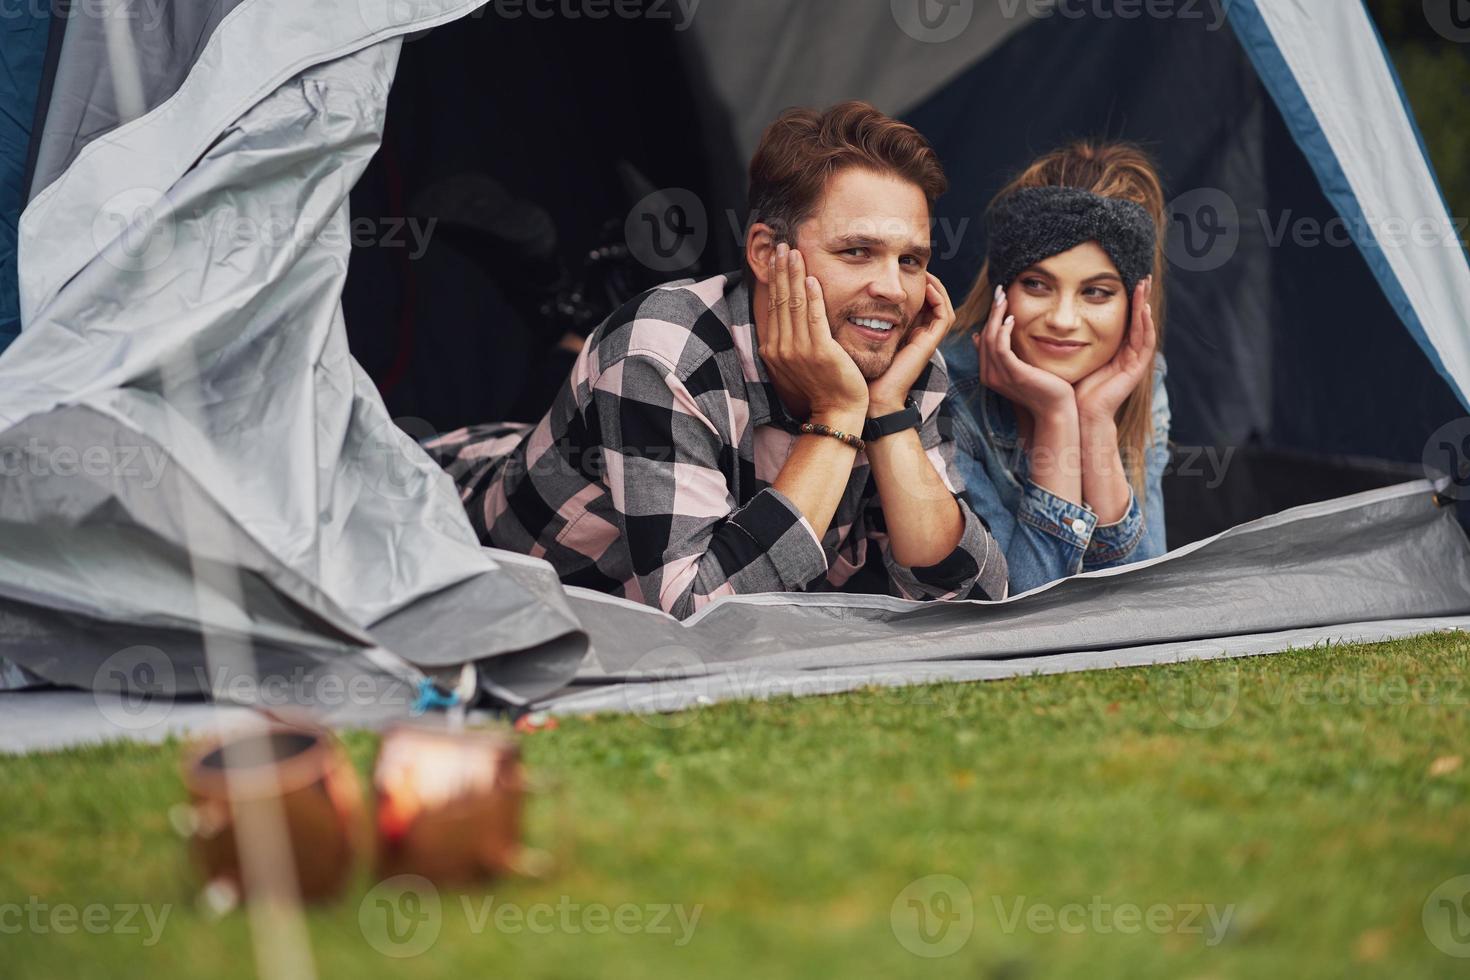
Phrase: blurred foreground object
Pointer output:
(449, 804)
(297, 780)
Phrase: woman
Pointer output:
(1062, 420)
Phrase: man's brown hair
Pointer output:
(804, 147)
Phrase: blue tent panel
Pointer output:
(1278, 78)
(22, 59)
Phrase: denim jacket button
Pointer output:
(1079, 526)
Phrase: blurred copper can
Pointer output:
(282, 795)
(449, 804)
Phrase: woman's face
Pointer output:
(1071, 312)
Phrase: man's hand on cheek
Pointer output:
(801, 351)
(887, 394)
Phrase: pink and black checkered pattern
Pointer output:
(650, 477)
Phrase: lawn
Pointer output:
(1306, 814)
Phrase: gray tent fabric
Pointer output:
(1380, 565)
(148, 47)
(14, 677)
(189, 447)
(1393, 554)
(662, 686)
(47, 721)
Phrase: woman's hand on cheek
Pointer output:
(1102, 393)
(1040, 392)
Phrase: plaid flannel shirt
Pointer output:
(650, 477)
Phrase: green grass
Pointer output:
(1317, 802)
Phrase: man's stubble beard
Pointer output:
(872, 363)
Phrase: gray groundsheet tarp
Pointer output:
(1380, 565)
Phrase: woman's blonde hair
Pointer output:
(1119, 170)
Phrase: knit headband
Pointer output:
(1035, 223)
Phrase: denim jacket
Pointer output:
(1045, 537)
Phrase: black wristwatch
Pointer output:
(907, 417)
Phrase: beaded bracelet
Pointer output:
(818, 429)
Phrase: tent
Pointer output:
(203, 481)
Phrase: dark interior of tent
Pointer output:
(1291, 377)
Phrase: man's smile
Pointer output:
(875, 326)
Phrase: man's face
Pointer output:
(868, 245)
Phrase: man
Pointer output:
(706, 443)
